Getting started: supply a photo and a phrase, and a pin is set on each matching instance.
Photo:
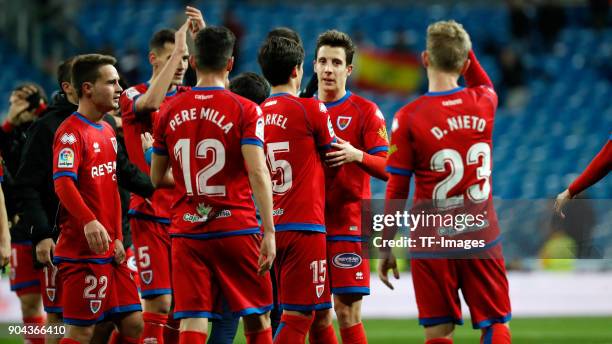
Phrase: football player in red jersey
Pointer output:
(89, 250)
(149, 219)
(296, 129)
(360, 153)
(598, 168)
(444, 138)
(213, 140)
(5, 235)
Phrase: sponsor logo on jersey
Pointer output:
(278, 212)
(68, 139)
(322, 108)
(359, 275)
(131, 93)
(204, 213)
(259, 127)
(270, 103)
(320, 289)
(51, 294)
(114, 142)
(343, 122)
(346, 260)
(146, 276)
(203, 96)
(94, 305)
(104, 169)
(66, 158)
(96, 147)
(452, 102)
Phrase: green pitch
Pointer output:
(586, 330)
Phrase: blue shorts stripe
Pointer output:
(488, 322)
(22, 285)
(306, 308)
(253, 310)
(54, 309)
(310, 227)
(217, 235)
(58, 260)
(147, 294)
(132, 213)
(351, 290)
(439, 320)
(160, 151)
(345, 238)
(196, 314)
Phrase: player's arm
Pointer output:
(344, 153)
(475, 75)
(156, 93)
(261, 183)
(598, 168)
(5, 235)
(161, 174)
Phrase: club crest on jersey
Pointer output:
(346, 260)
(343, 122)
(146, 276)
(51, 294)
(66, 158)
(114, 142)
(320, 289)
(68, 139)
(94, 305)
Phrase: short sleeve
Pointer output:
(127, 103)
(322, 125)
(375, 132)
(401, 154)
(252, 129)
(160, 147)
(67, 153)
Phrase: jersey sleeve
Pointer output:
(401, 157)
(127, 103)
(160, 125)
(599, 167)
(321, 125)
(252, 128)
(375, 132)
(67, 153)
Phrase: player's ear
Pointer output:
(87, 88)
(465, 67)
(192, 62)
(425, 59)
(349, 69)
(152, 58)
(295, 72)
(230, 64)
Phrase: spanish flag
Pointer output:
(387, 71)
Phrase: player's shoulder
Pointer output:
(366, 106)
(413, 107)
(132, 92)
(312, 104)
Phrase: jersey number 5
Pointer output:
(203, 148)
(474, 192)
(280, 166)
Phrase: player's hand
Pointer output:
(180, 39)
(44, 251)
(147, 141)
(561, 201)
(97, 237)
(17, 107)
(5, 251)
(196, 20)
(119, 252)
(385, 264)
(345, 153)
(267, 253)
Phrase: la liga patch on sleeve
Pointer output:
(66, 158)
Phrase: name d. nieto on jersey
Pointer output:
(208, 114)
(460, 122)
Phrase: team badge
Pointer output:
(259, 128)
(146, 276)
(66, 158)
(343, 122)
(320, 289)
(51, 294)
(94, 305)
(114, 142)
(68, 139)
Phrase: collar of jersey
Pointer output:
(339, 101)
(445, 93)
(279, 94)
(84, 119)
(168, 94)
(209, 88)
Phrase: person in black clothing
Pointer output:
(37, 202)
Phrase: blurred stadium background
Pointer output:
(551, 62)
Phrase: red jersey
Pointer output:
(87, 152)
(445, 139)
(296, 129)
(599, 167)
(134, 125)
(359, 121)
(202, 131)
